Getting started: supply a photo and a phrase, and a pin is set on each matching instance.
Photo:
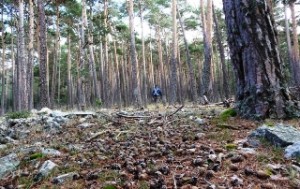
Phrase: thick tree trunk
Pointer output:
(22, 87)
(207, 35)
(69, 75)
(3, 86)
(30, 55)
(252, 39)
(225, 78)
(135, 71)
(289, 44)
(143, 55)
(44, 90)
(173, 62)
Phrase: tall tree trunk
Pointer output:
(253, 43)
(145, 87)
(56, 58)
(222, 55)
(134, 62)
(207, 35)
(22, 89)
(105, 48)
(91, 53)
(44, 90)
(30, 55)
(69, 75)
(3, 92)
(192, 83)
(173, 81)
(289, 44)
(296, 58)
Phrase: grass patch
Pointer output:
(224, 135)
(143, 185)
(225, 115)
(36, 156)
(109, 175)
(18, 115)
(230, 146)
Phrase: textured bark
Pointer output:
(69, 76)
(289, 44)
(134, 62)
(173, 63)
(54, 79)
(252, 39)
(296, 58)
(161, 69)
(22, 88)
(207, 35)
(222, 55)
(44, 90)
(30, 55)
(3, 86)
(143, 55)
(192, 84)
(105, 49)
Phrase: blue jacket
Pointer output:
(156, 91)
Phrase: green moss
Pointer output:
(268, 171)
(143, 185)
(36, 156)
(230, 146)
(225, 115)
(18, 115)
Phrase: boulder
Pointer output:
(45, 110)
(51, 152)
(8, 163)
(280, 135)
(292, 151)
(45, 170)
(65, 177)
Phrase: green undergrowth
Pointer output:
(18, 115)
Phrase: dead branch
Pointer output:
(96, 135)
(175, 111)
(225, 126)
(226, 103)
(132, 117)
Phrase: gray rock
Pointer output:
(51, 152)
(8, 164)
(85, 125)
(45, 110)
(65, 177)
(246, 151)
(45, 170)
(279, 135)
(58, 113)
(292, 151)
(3, 146)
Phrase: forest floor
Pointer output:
(161, 147)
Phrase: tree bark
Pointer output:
(207, 35)
(44, 90)
(289, 44)
(69, 75)
(296, 58)
(3, 86)
(30, 55)
(173, 62)
(252, 38)
(134, 62)
(222, 55)
(192, 83)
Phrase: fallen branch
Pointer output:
(122, 132)
(175, 111)
(225, 126)
(96, 135)
(132, 117)
(226, 103)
